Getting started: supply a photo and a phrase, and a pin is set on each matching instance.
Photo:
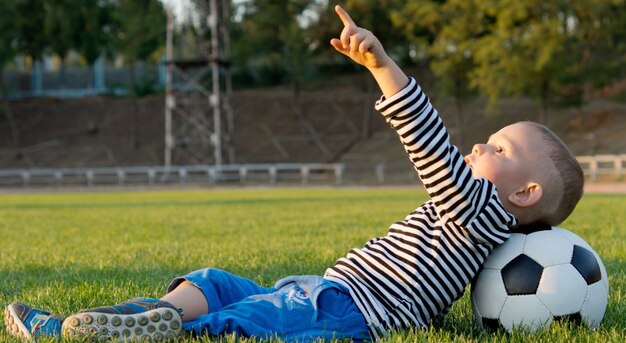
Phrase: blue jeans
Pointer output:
(302, 308)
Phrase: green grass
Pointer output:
(66, 252)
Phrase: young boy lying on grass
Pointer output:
(524, 175)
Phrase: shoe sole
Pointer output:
(14, 324)
(161, 324)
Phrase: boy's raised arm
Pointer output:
(365, 49)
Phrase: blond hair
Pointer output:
(569, 173)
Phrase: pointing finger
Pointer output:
(344, 16)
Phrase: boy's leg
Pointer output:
(209, 290)
(24, 322)
(136, 319)
(297, 311)
(188, 297)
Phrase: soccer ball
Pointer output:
(534, 279)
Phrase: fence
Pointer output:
(80, 81)
(603, 167)
(596, 168)
(245, 174)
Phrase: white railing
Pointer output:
(603, 167)
(596, 168)
(241, 174)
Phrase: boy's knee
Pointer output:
(212, 274)
(199, 277)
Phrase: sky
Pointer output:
(178, 7)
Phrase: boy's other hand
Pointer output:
(359, 44)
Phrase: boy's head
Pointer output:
(537, 177)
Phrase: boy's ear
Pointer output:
(527, 196)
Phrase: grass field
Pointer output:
(66, 252)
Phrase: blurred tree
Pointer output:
(61, 25)
(31, 39)
(271, 41)
(141, 31)
(8, 35)
(30, 15)
(550, 50)
(322, 30)
(448, 30)
(525, 50)
(296, 51)
(94, 30)
(597, 48)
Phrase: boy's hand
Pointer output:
(359, 44)
(364, 48)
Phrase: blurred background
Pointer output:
(96, 91)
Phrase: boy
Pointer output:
(524, 175)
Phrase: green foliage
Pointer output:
(295, 48)
(60, 23)
(96, 29)
(143, 87)
(600, 41)
(552, 50)
(270, 44)
(87, 27)
(8, 32)
(30, 16)
(523, 51)
(453, 26)
(547, 49)
(60, 26)
(66, 252)
(141, 28)
(447, 30)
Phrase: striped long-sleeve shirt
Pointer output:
(425, 261)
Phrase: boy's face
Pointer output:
(510, 158)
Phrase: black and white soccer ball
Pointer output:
(534, 279)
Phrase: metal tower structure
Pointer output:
(199, 123)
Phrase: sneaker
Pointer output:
(23, 321)
(142, 319)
